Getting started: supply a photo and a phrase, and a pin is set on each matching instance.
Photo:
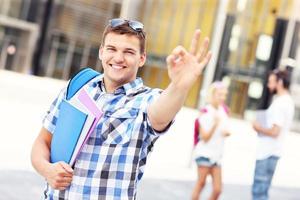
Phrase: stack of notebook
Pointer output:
(262, 119)
(77, 119)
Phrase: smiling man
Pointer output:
(113, 160)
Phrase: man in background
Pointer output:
(271, 135)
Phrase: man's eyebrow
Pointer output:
(131, 49)
(126, 49)
(110, 46)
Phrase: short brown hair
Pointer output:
(283, 75)
(126, 30)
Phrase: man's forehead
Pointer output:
(122, 40)
(272, 76)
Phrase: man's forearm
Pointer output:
(40, 155)
(40, 160)
(272, 132)
(162, 111)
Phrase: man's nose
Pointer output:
(119, 57)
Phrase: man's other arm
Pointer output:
(58, 175)
(272, 132)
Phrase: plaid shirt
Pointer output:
(112, 161)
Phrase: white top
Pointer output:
(280, 113)
(213, 148)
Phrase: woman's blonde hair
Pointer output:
(212, 88)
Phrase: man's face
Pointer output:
(272, 83)
(121, 58)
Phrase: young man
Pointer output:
(112, 161)
(270, 136)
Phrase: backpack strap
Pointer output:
(197, 126)
(226, 109)
(81, 78)
(196, 131)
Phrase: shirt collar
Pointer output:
(128, 88)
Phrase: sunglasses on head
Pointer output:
(135, 25)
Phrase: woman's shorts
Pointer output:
(206, 162)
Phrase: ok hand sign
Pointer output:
(184, 67)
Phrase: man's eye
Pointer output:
(129, 52)
(110, 49)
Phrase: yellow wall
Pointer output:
(168, 28)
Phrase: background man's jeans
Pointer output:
(264, 170)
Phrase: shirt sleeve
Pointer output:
(150, 98)
(277, 116)
(50, 119)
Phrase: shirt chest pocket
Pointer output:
(118, 126)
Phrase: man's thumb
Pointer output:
(67, 167)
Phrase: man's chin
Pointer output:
(120, 80)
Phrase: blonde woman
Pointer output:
(213, 121)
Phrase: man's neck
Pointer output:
(282, 92)
(110, 88)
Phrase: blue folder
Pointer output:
(69, 125)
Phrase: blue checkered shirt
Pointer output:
(112, 161)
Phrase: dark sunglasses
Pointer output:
(135, 25)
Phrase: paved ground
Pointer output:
(169, 173)
(24, 185)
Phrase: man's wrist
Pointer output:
(46, 168)
(176, 89)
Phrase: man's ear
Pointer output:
(100, 52)
(142, 59)
(280, 83)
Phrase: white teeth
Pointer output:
(117, 66)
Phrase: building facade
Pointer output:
(55, 38)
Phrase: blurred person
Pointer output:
(112, 161)
(213, 128)
(270, 137)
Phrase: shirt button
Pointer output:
(94, 85)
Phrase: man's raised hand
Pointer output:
(184, 67)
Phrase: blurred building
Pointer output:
(55, 38)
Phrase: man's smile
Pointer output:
(118, 67)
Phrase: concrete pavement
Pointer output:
(169, 174)
(25, 185)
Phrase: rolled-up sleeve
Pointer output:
(50, 119)
(277, 116)
(151, 97)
